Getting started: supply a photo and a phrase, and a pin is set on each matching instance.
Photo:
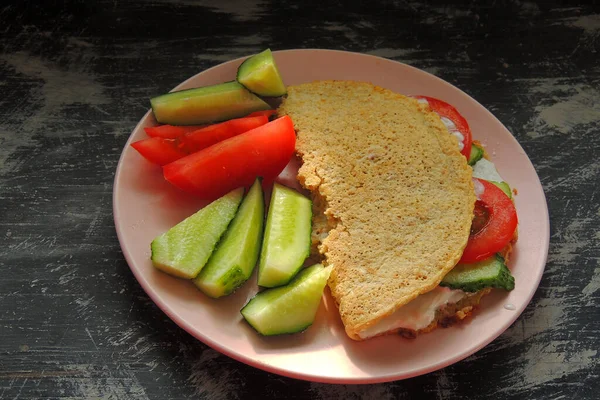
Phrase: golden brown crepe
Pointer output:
(395, 194)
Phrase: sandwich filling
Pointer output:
(416, 315)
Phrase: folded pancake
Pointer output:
(393, 195)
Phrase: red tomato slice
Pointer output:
(207, 136)
(170, 131)
(493, 226)
(159, 150)
(444, 109)
(218, 169)
(266, 113)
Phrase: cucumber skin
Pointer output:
(504, 280)
(299, 329)
(164, 106)
(476, 154)
(229, 283)
(233, 280)
(304, 256)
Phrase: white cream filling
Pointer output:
(417, 314)
(485, 169)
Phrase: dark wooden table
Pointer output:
(76, 77)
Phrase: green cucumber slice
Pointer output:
(183, 250)
(206, 104)
(476, 154)
(291, 308)
(233, 261)
(491, 272)
(286, 243)
(260, 75)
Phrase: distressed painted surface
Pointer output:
(75, 79)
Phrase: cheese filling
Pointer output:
(485, 169)
(417, 314)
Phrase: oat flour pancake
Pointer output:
(396, 193)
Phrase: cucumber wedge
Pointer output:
(183, 250)
(491, 272)
(260, 75)
(286, 243)
(291, 308)
(206, 104)
(476, 154)
(233, 261)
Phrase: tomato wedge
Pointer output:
(170, 131)
(266, 113)
(493, 226)
(159, 150)
(207, 136)
(457, 125)
(235, 162)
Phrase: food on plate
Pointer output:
(170, 131)
(266, 113)
(412, 221)
(161, 151)
(234, 162)
(170, 144)
(218, 263)
(287, 238)
(206, 104)
(393, 198)
(476, 153)
(485, 169)
(490, 272)
(494, 223)
(260, 75)
(184, 249)
(291, 308)
(504, 187)
(235, 257)
(212, 134)
(455, 123)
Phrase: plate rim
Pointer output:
(193, 331)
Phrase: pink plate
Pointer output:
(145, 206)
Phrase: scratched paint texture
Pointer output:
(76, 76)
